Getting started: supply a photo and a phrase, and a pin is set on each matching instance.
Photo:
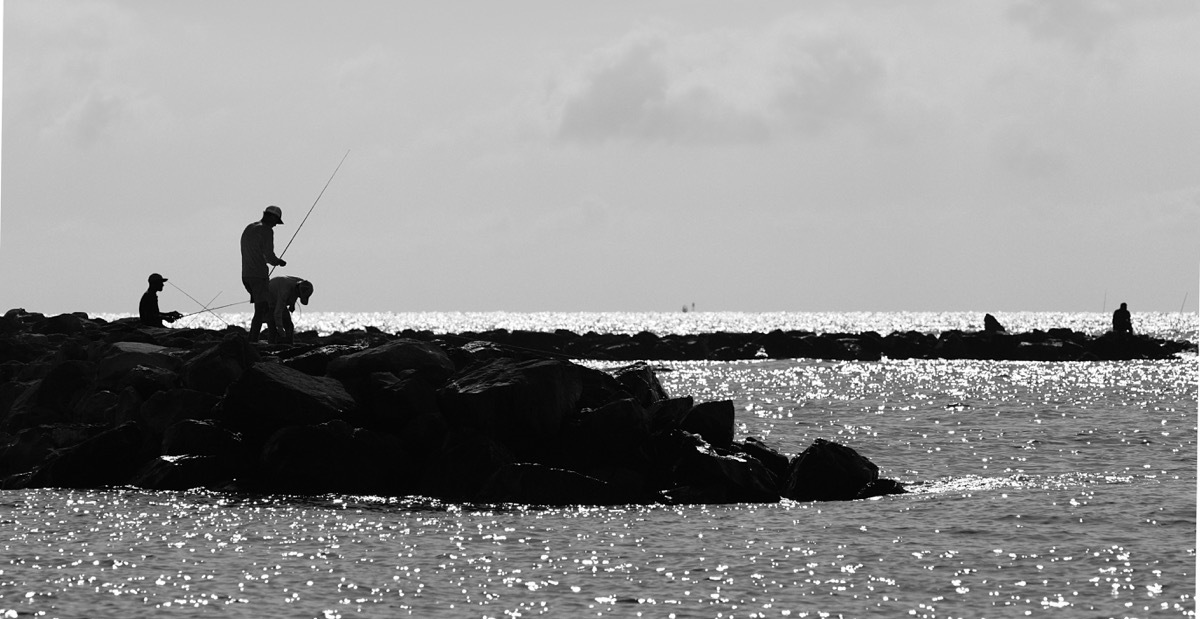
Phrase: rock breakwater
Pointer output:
(86, 403)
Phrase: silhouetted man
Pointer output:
(284, 291)
(258, 250)
(148, 308)
(1122, 323)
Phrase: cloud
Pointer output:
(721, 86)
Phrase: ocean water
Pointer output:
(1036, 489)
(1166, 325)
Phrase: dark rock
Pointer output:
(828, 471)
(269, 396)
(218, 367)
(108, 459)
(538, 484)
(185, 472)
(522, 404)
(199, 437)
(315, 362)
(395, 357)
(332, 457)
(713, 421)
(641, 382)
(668, 414)
(53, 398)
(167, 408)
(465, 462)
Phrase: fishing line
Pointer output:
(206, 309)
(310, 209)
(209, 309)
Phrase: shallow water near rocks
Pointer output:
(1036, 488)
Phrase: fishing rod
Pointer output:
(210, 309)
(209, 304)
(1185, 294)
(310, 209)
(206, 309)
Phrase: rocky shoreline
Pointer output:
(495, 417)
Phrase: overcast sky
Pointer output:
(606, 156)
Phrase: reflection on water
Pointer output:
(1166, 325)
(1037, 488)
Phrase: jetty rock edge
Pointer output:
(87, 403)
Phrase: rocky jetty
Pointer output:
(484, 418)
(1036, 345)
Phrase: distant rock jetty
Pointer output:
(86, 403)
(1036, 345)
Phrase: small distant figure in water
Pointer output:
(148, 308)
(284, 292)
(258, 250)
(991, 325)
(1122, 322)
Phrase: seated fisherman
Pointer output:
(283, 291)
(1122, 321)
(148, 308)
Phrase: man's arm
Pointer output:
(269, 249)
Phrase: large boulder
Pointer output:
(395, 356)
(333, 457)
(698, 473)
(406, 406)
(522, 404)
(110, 458)
(54, 398)
(828, 471)
(218, 367)
(114, 361)
(713, 421)
(641, 382)
(269, 396)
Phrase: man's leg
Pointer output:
(257, 286)
(289, 328)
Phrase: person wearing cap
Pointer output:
(148, 311)
(258, 250)
(284, 291)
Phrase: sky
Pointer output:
(551, 155)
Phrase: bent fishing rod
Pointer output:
(310, 209)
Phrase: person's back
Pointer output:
(148, 313)
(1122, 321)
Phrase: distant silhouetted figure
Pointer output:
(284, 292)
(991, 325)
(258, 250)
(148, 308)
(1122, 323)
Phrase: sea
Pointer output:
(1035, 489)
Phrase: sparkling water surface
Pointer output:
(1036, 489)
(1166, 325)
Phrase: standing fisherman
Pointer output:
(258, 250)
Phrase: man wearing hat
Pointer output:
(258, 250)
(285, 291)
(148, 308)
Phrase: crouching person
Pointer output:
(283, 292)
